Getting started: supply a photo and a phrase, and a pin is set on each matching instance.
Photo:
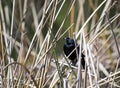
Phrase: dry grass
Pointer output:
(32, 35)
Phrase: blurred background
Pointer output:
(33, 32)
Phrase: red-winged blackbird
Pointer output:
(69, 47)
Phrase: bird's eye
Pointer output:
(69, 41)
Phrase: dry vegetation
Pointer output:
(32, 35)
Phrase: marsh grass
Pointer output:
(32, 36)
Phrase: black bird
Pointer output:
(69, 47)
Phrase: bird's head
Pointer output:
(69, 41)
